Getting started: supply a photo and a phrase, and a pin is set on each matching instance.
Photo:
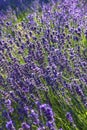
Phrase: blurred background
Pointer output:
(20, 4)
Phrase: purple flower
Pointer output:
(6, 114)
(69, 117)
(9, 125)
(25, 126)
(47, 110)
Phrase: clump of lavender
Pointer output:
(47, 111)
(43, 63)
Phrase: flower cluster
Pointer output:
(45, 51)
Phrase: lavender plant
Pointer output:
(43, 67)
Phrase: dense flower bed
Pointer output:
(43, 68)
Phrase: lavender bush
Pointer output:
(43, 67)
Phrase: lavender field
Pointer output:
(43, 65)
